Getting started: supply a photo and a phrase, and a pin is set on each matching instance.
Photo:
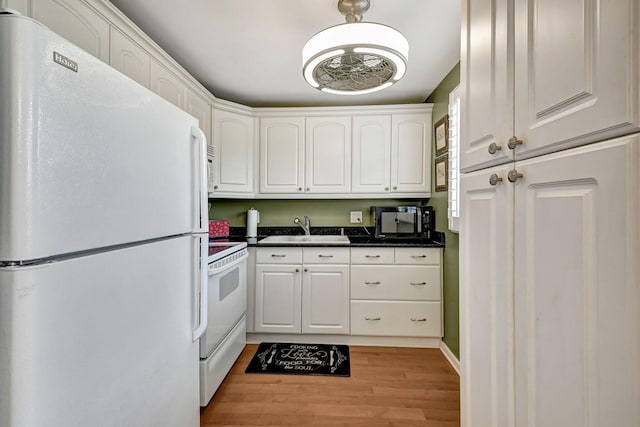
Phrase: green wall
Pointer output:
(274, 213)
(280, 213)
(439, 200)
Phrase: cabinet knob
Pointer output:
(215, 187)
(395, 187)
(514, 142)
(493, 147)
(306, 270)
(417, 283)
(514, 175)
(297, 270)
(494, 179)
(372, 318)
(386, 188)
(422, 319)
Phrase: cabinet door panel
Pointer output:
(328, 154)
(21, 6)
(325, 299)
(278, 293)
(576, 68)
(281, 155)
(371, 148)
(130, 59)
(576, 289)
(486, 293)
(486, 74)
(411, 153)
(167, 85)
(233, 138)
(77, 22)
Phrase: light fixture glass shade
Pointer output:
(355, 58)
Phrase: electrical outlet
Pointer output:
(356, 217)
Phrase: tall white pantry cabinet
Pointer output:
(550, 213)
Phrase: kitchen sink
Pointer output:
(319, 239)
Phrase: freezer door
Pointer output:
(102, 340)
(88, 157)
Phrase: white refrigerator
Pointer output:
(103, 242)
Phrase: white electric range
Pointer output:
(226, 333)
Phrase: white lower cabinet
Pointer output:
(550, 295)
(396, 292)
(302, 290)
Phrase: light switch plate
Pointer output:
(356, 217)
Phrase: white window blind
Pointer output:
(454, 157)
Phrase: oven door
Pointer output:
(227, 298)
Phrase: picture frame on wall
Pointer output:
(442, 173)
(441, 138)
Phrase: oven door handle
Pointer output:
(213, 271)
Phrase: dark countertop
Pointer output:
(357, 237)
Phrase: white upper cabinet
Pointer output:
(371, 147)
(282, 155)
(21, 6)
(540, 78)
(328, 154)
(486, 73)
(167, 85)
(576, 73)
(411, 153)
(129, 58)
(233, 142)
(76, 21)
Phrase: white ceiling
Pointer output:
(249, 51)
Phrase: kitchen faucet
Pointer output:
(306, 226)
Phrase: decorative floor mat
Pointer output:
(300, 359)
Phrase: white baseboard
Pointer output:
(256, 338)
(448, 354)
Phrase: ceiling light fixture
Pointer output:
(357, 57)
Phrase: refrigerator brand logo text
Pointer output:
(65, 62)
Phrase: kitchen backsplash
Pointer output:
(282, 212)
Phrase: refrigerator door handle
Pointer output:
(204, 289)
(203, 194)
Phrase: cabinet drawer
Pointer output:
(325, 255)
(372, 255)
(279, 256)
(412, 283)
(418, 256)
(396, 318)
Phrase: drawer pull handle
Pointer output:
(423, 319)
(418, 256)
(371, 283)
(371, 318)
(372, 256)
(417, 283)
(325, 256)
(278, 255)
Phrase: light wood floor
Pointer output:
(387, 387)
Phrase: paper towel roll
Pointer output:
(253, 219)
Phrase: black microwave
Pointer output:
(403, 222)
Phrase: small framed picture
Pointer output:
(442, 173)
(441, 139)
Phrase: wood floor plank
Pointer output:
(388, 386)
